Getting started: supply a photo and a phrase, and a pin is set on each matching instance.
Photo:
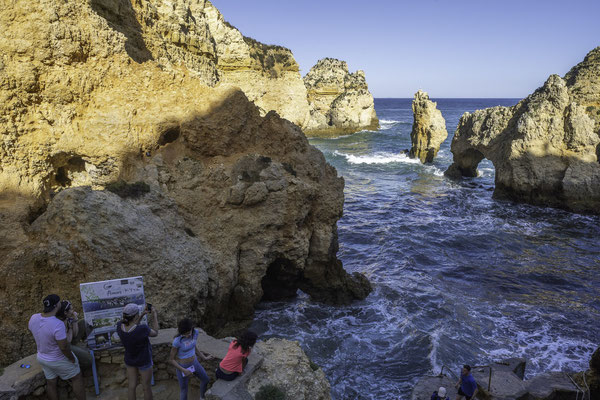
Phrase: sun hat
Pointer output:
(131, 309)
(442, 392)
(50, 302)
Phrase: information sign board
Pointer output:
(103, 304)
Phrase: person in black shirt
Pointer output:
(138, 352)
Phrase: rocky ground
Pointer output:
(505, 380)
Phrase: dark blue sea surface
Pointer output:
(458, 276)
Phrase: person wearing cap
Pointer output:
(138, 352)
(440, 394)
(466, 385)
(54, 351)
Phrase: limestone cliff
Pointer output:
(546, 148)
(340, 102)
(428, 130)
(235, 206)
(287, 367)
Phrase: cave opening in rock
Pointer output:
(281, 280)
(169, 136)
(67, 170)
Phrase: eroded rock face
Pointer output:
(544, 149)
(286, 366)
(428, 130)
(194, 34)
(340, 102)
(239, 205)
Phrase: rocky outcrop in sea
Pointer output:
(117, 159)
(545, 149)
(340, 101)
(428, 130)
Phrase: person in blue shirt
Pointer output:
(466, 385)
(183, 358)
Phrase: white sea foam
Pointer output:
(388, 123)
(378, 158)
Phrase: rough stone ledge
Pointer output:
(506, 384)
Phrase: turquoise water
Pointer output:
(458, 276)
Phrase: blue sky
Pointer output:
(449, 48)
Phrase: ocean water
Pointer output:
(458, 276)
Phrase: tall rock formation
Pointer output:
(194, 34)
(545, 149)
(428, 130)
(340, 102)
(235, 206)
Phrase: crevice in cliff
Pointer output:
(121, 16)
(169, 136)
(35, 212)
(67, 168)
(598, 153)
(281, 280)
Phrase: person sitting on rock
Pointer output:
(138, 352)
(466, 385)
(237, 357)
(67, 314)
(187, 364)
(440, 394)
(54, 351)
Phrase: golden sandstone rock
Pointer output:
(428, 130)
(545, 149)
(238, 206)
(340, 102)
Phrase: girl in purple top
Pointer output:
(183, 357)
(138, 353)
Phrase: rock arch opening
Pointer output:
(281, 281)
(169, 136)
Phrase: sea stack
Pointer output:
(545, 149)
(428, 130)
(340, 101)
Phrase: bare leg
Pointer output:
(132, 376)
(78, 387)
(147, 383)
(52, 388)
